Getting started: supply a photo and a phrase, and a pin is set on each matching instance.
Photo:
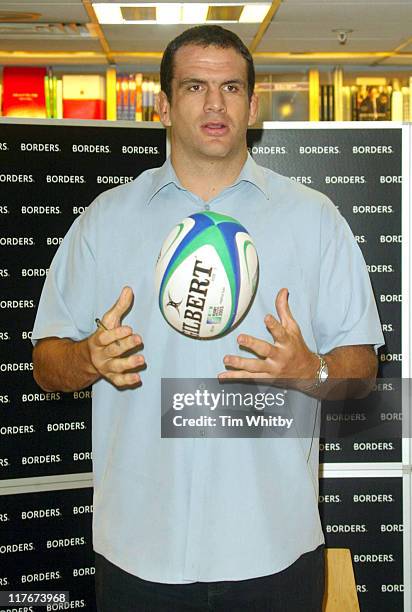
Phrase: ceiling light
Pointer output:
(254, 13)
(194, 13)
(138, 14)
(108, 13)
(227, 13)
(172, 12)
(168, 13)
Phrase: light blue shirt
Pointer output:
(206, 509)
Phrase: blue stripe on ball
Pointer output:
(202, 222)
(229, 231)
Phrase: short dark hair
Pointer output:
(204, 36)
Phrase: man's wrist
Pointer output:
(322, 373)
(91, 369)
(317, 375)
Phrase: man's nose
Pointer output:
(214, 100)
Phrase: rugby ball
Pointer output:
(206, 275)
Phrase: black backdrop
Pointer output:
(49, 173)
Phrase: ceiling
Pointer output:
(300, 33)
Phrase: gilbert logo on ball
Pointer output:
(206, 275)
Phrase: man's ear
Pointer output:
(163, 109)
(253, 109)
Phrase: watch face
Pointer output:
(323, 374)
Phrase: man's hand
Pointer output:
(108, 347)
(289, 363)
(62, 364)
(288, 357)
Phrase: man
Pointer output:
(205, 524)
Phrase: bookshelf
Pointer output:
(306, 95)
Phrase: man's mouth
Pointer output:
(215, 128)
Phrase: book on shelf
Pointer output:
(47, 95)
(125, 97)
(346, 103)
(397, 105)
(327, 103)
(135, 96)
(406, 104)
(122, 86)
(53, 91)
(371, 103)
(24, 92)
(111, 102)
(118, 98)
(131, 111)
(84, 96)
(149, 109)
(148, 99)
(139, 101)
(337, 77)
(155, 115)
(59, 99)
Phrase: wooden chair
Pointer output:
(340, 587)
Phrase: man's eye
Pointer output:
(194, 88)
(232, 88)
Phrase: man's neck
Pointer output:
(207, 178)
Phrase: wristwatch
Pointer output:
(322, 373)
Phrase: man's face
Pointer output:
(210, 110)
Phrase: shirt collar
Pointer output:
(254, 174)
(251, 173)
(161, 177)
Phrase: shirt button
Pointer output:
(207, 206)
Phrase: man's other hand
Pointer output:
(110, 348)
(287, 357)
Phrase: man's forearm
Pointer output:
(60, 364)
(352, 373)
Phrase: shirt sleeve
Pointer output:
(346, 312)
(66, 304)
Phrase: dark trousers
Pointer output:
(298, 588)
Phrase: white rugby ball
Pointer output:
(206, 275)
